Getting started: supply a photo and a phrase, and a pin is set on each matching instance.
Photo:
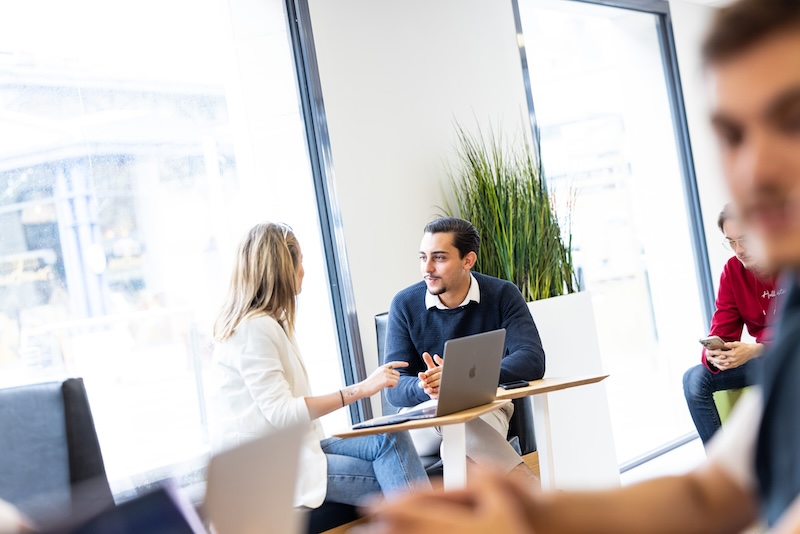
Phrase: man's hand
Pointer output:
(736, 355)
(429, 379)
(491, 503)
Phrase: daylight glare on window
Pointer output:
(608, 147)
(138, 142)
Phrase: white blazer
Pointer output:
(261, 382)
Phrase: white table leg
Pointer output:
(544, 440)
(454, 455)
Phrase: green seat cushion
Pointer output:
(725, 401)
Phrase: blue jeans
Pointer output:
(362, 466)
(699, 385)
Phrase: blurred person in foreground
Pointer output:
(747, 296)
(263, 383)
(752, 58)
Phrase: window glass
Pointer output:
(608, 146)
(138, 142)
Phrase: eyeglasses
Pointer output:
(731, 244)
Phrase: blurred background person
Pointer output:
(746, 297)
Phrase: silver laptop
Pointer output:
(251, 488)
(469, 378)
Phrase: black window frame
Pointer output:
(318, 143)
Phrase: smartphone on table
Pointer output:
(514, 384)
(713, 342)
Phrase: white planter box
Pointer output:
(583, 450)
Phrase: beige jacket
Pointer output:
(260, 384)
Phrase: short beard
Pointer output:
(437, 292)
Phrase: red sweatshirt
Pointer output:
(743, 299)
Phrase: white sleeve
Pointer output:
(733, 447)
(268, 381)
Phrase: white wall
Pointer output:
(689, 22)
(395, 75)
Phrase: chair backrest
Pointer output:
(50, 461)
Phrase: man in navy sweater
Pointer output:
(452, 302)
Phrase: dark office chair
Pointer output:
(520, 429)
(51, 464)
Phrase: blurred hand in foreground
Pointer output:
(491, 503)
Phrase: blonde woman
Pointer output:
(264, 384)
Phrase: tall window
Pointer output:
(608, 142)
(138, 142)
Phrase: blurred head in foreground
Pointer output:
(752, 56)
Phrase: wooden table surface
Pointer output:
(458, 417)
(548, 385)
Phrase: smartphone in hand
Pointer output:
(714, 343)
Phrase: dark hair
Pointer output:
(743, 24)
(465, 236)
(725, 215)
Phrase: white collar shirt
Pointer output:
(474, 294)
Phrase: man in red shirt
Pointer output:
(745, 298)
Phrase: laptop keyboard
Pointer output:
(412, 415)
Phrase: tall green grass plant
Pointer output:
(503, 192)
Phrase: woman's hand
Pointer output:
(385, 376)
